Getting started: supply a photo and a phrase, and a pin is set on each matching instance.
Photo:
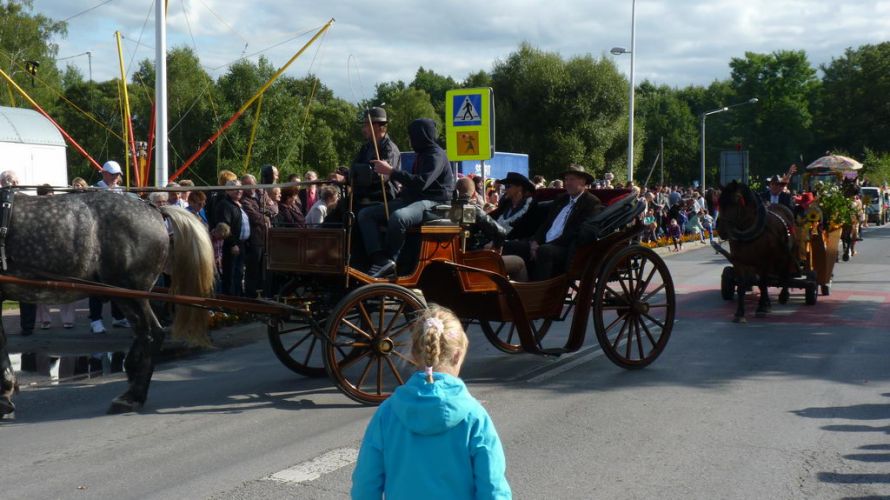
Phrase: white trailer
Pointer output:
(31, 146)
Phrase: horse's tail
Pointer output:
(191, 268)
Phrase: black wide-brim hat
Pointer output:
(378, 115)
(578, 170)
(517, 179)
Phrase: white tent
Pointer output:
(31, 146)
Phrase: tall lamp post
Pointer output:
(704, 115)
(630, 120)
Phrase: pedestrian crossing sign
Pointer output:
(469, 129)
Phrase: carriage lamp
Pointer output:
(462, 213)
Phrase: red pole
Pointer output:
(151, 143)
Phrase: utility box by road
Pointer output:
(733, 167)
(31, 146)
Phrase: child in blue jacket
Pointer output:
(431, 438)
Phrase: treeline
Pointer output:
(557, 110)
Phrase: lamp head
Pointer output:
(617, 51)
(753, 100)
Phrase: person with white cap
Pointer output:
(111, 176)
(111, 180)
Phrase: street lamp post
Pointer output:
(704, 115)
(630, 120)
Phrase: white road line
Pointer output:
(866, 298)
(317, 467)
(565, 367)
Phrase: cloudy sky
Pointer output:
(679, 42)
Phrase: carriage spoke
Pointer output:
(402, 329)
(361, 379)
(616, 294)
(406, 358)
(346, 362)
(653, 292)
(645, 283)
(367, 319)
(395, 371)
(648, 333)
(395, 316)
(620, 335)
(382, 315)
(510, 333)
(660, 325)
(623, 286)
(310, 350)
(357, 329)
(639, 338)
(379, 375)
(630, 340)
(614, 322)
(310, 334)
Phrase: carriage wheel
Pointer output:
(727, 283)
(504, 336)
(368, 353)
(294, 342)
(633, 307)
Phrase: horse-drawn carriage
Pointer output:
(355, 327)
(775, 247)
(330, 318)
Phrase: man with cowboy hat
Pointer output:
(366, 182)
(777, 193)
(548, 251)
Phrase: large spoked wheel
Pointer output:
(293, 340)
(505, 337)
(368, 353)
(633, 307)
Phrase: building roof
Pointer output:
(26, 126)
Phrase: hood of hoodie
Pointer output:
(423, 134)
(429, 409)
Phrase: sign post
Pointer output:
(469, 126)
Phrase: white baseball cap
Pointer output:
(111, 167)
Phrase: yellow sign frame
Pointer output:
(459, 136)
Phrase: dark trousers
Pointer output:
(96, 309)
(255, 271)
(402, 215)
(27, 316)
(549, 262)
(233, 272)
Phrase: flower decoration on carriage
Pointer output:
(836, 207)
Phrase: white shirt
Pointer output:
(559, 223)
(245, 226)
(317, 213)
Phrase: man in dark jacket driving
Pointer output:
(426, 184)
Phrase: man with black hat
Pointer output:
(517, 207)
(365, 181)
(776, 192)
(548, 251)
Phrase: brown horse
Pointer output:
(761, 245)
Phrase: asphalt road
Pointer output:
(794, 405)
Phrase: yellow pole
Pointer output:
(256, 121)
(128, 135)
(11, 95)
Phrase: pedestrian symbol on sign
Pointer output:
(466, 110)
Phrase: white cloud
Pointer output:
(678, 43)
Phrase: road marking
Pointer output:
(565, 367)
(317, 467)
(866, 298)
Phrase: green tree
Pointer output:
(561, 112)
(666, 116)
(780, 124)
(853, 103)
(29, 37)
(435, 85)
(406, 106)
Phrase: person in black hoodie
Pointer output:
(428, 183)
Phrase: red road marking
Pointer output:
(705, 303)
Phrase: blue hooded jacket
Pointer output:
(431, 441)
(430, 177)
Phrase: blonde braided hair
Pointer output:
(436, 337)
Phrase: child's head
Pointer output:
(438, 341)
(330, 195)
(673, 222)
(221, 231)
